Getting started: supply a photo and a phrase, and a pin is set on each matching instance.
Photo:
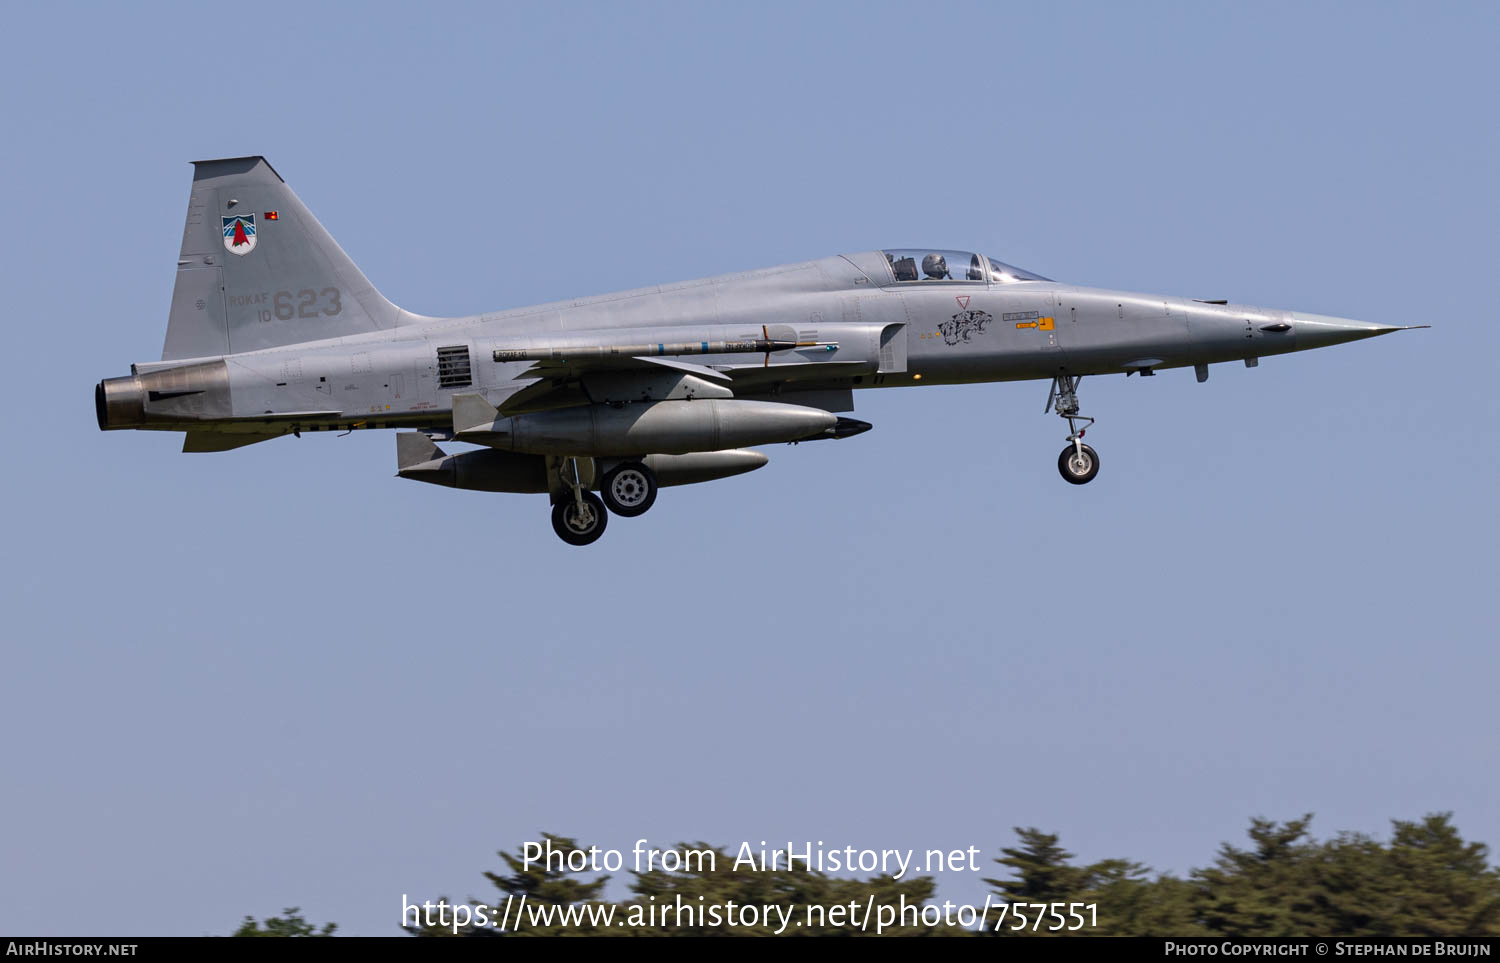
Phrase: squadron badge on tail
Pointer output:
(239, 233)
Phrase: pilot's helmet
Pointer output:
(934, 266)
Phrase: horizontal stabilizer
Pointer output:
(197, 441)
(271, 416)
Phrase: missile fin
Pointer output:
(414, 448)
(472, 411)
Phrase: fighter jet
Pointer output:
(600, 401)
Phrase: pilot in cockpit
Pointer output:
(935, 266)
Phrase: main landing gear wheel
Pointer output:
(629, 489)
(579, 519)
(1078, 464)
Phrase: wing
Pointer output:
(603, 366)
(563, 383)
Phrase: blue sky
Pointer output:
(280, 676)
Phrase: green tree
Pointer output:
(1128, 902)
(1448, 888)
(1043, 873)
(1350, 888)
(1426, 881)
(715, 882)
(289, 923)
(1264, 890)
(539, 883)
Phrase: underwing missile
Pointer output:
(657, 349)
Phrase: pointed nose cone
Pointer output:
(1320, 330)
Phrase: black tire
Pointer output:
(573, 529)
(629, 489)
(1078, 471)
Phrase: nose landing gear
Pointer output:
(1078, 463)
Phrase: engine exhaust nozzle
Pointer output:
(120, 403)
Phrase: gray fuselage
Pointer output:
(873, 332)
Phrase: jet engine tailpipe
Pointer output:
(181, 395)
(120, 403)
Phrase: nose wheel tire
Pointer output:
(1078, 464)
(629, 489)
(579, 523)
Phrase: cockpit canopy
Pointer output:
(926, 265)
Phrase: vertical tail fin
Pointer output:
(257, 270)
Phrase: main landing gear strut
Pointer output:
(579, 516)
(1078, 463)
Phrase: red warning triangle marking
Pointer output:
(962, 299)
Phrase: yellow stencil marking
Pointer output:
(1044, 324)
(1025, 324)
